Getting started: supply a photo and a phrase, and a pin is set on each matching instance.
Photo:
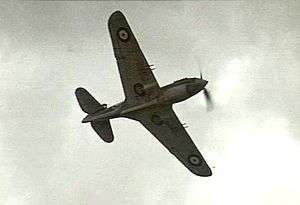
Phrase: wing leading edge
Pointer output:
(166, 127)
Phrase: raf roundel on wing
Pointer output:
(123, 34)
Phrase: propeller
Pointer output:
(209, 102)
(207, 96)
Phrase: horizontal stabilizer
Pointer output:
(103, 129)
(87, 102)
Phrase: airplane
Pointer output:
(145, 101)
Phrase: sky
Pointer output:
(247, 50)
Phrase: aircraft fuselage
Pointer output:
(173, 93)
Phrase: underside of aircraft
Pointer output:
(145, 101)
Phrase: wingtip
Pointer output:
(79, 90)
(116, 14)
(207, 173)
(204, 173)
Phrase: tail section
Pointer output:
(87, 102)
(103, 129)
(90, 105)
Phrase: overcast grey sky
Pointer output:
(249, 52)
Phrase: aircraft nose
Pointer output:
(196, 87)
(204, 82)
(201, 83)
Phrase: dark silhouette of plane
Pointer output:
(145, 101)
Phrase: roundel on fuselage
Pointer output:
(123, 34)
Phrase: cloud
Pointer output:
(247, 51)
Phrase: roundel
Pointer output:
(139, 89)
(195, 160)
(123, 34)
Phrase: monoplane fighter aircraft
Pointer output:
(145, 101)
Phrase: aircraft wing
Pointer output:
(138, 81)
(163, 123)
